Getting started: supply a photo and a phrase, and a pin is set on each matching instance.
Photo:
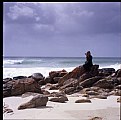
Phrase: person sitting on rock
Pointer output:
(88, 64)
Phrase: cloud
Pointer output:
(67, 18)
(63, 26)
(20, 10)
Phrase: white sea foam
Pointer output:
(12, 72)
(12, 61)
(115, 66)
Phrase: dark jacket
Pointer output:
(88, 64)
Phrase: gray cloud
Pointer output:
(62, 29)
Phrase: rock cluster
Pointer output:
(97, 83)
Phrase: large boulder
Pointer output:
(54, 76)
(36, 101)
(60, 73)
(72, 82)
(77, 72)
(104, 83)
(89, 82)
(84, 76)
(69, 90)
(37, 76)
(20, 86)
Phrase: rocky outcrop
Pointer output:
(96, 83)
(36, 101)
(77, 72)
(20, 86)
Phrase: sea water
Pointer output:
(26, 66)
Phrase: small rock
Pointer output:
(119, 99)
(96, 118)
(99, 96)
(9, 110)
(61, 99)
(85, 95)
(92, 93)
(83, 101)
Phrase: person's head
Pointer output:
(88, 53)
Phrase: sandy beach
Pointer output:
(107, 109)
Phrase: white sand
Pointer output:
(108, 109)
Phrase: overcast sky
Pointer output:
(62, 29)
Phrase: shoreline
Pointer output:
(106, 109)
(8, 72)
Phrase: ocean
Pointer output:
(26, 66)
